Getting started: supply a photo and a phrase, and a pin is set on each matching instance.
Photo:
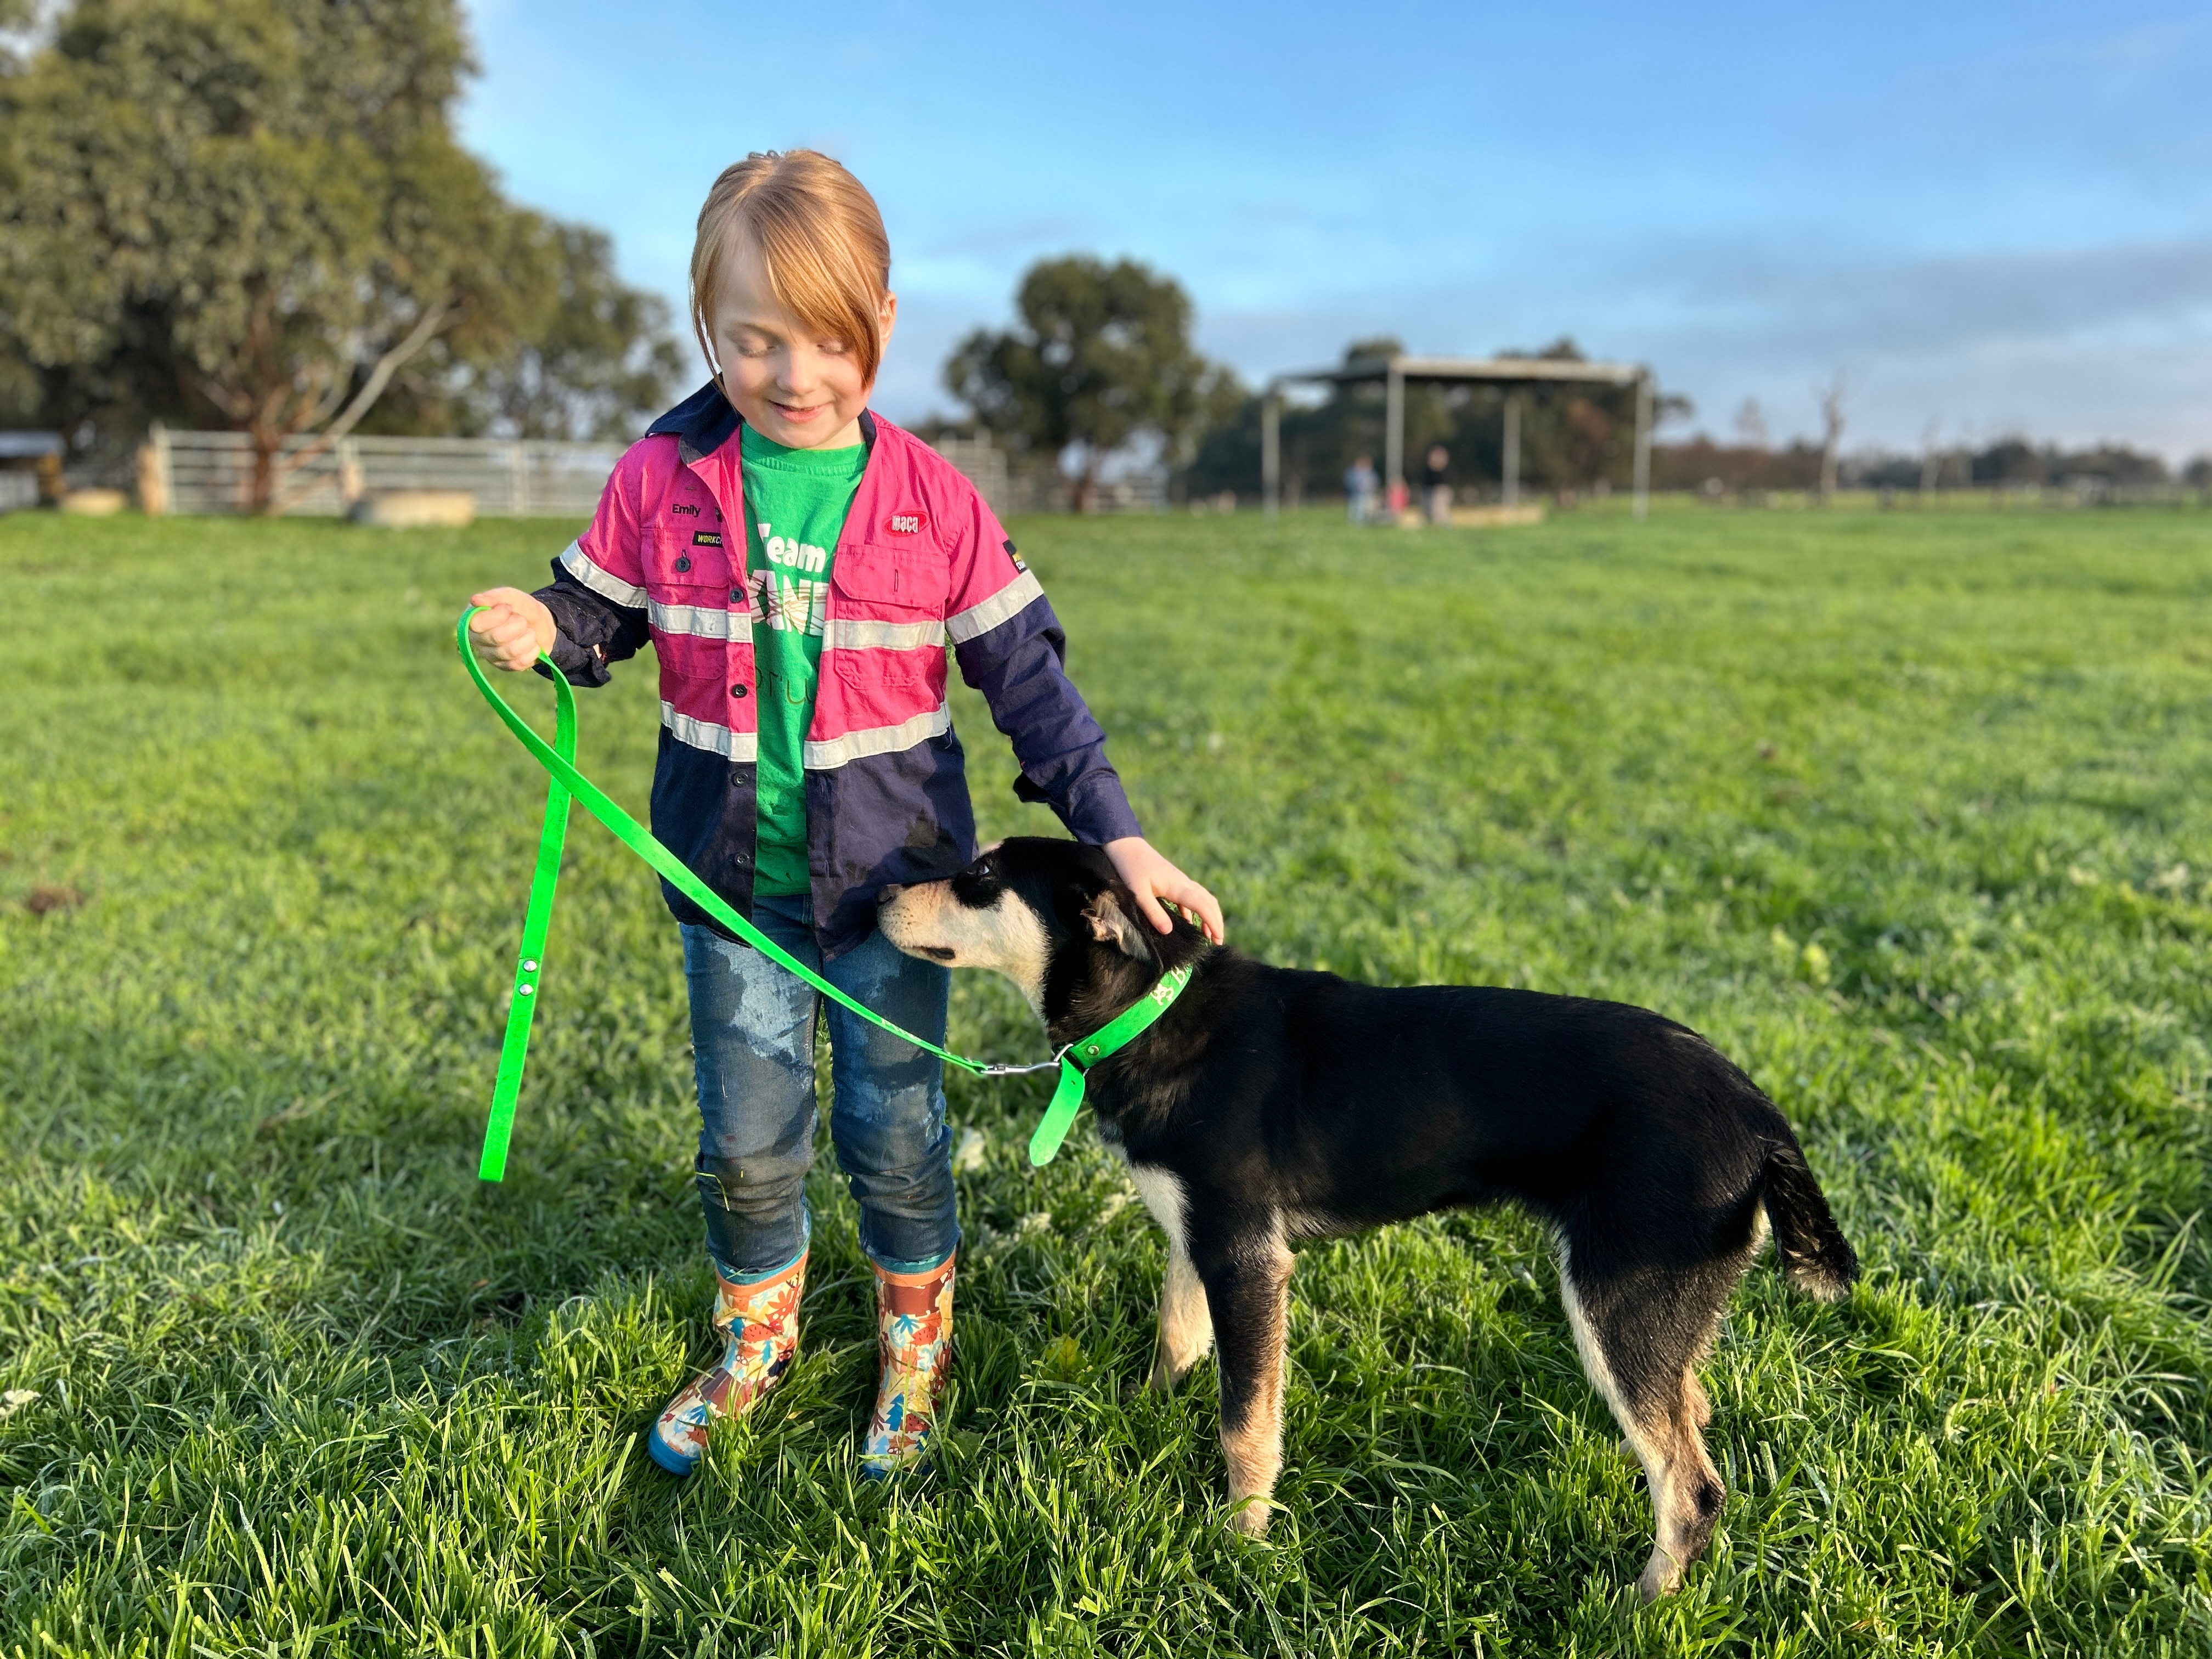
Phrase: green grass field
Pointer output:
(1912, 816)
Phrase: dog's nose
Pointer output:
(885, 895)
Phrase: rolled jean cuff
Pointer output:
(927, 1264)
(757, 1275)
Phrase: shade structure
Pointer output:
(1394, 372)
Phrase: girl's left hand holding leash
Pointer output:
(1152, 879)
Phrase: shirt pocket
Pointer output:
(683, 566)
(910, 583)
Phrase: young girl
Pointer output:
(800, 565)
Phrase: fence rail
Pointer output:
(199, 472)
(205, 472)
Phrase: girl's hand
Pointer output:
(511, 629)
(1152, 879)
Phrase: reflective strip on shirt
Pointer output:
(701, 622)
(856, 634)
(705, 734)
(1008, 602)
(875, 739)
(580, 564)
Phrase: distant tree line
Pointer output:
(1100, 363)
(1702, 463)
(255, 216)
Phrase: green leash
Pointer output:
(565, 783)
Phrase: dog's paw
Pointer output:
(1663, 1576)
(1248, 1515)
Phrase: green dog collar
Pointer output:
(1104, 1045)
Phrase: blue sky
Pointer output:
(1995, 216)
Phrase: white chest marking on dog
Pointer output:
(1163, 1194)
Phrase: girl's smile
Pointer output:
(790, 385)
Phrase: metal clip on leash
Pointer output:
(566, 783)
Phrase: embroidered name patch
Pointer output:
(907, 524)
(706, 538)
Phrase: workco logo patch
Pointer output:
(907, 524)
(706, 538)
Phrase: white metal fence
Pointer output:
(201, 472)
(1037, 487)
(197, 472)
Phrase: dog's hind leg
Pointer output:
(1248, 1288)
(1636, 1348)
(1186, 1322)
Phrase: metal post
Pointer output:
(1393, 428)
(1512, 491)
(1271, 450)
(1643, 445)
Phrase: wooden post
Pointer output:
(154, 472)
(1393, 430)
(1511, 492)
(1643, 485)
(1271, 450)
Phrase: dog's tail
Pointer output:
(1816, 1258)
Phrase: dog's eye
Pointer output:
(978, 884)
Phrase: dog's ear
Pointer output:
(1111, 924)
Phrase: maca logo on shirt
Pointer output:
(706, 538)
(907, 524)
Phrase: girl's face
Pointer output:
(791, 384)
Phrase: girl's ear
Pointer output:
(1110, 923)
(888, 314)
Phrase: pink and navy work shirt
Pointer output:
(922, 564)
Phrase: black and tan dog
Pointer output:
(1269, 1104)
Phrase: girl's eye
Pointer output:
(834, 348)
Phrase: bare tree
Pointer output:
(1833, 397)
(1931, 459)
(1751, 425)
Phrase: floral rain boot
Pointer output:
(913, 1340)
(761, 1322)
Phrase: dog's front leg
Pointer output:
(1186, 1322)
(1247, 1289)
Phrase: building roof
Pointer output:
(1511, 370)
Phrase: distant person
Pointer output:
(1435, 485)
(807, 761)
(1360, 486)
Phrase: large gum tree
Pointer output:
(254, 215)
(1100, 357)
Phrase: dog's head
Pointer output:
(1051, 915)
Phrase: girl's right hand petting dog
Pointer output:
(511, 629)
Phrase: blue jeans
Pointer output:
(752, 1036)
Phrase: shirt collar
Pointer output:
(704, 421)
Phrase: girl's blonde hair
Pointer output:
(820, 236)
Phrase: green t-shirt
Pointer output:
(795, 503)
